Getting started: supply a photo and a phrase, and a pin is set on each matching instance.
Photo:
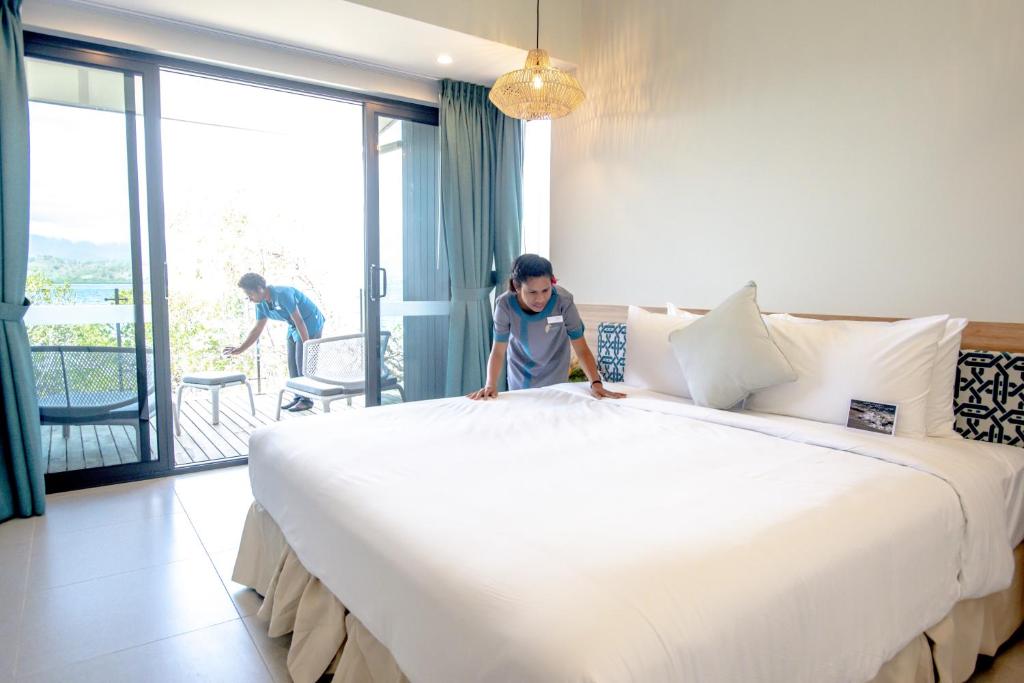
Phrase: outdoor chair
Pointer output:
(89, 385)
(212, 381)
(333, 369)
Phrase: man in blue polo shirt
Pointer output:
(276, 302)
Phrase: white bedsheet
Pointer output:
(548, 536)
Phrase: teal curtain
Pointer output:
(481, 212)
(21, 473)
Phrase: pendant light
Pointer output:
(538, 90)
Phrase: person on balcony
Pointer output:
(278, 302)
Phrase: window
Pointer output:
(537, 188)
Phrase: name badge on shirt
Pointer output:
(552, 320)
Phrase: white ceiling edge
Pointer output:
(208, 46)
(384, 54)
(510, 22)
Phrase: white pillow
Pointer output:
(650, 361)
(728, 353)
(943, 386)
(677, 312)
(940, 418)
(839, 360)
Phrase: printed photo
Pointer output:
(872, 417)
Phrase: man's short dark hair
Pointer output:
(252, 282)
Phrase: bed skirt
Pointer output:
(326, 638)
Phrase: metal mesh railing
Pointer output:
(340, 360)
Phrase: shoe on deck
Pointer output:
(300, 405)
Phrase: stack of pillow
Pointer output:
(800, 367)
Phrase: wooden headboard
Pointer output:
(981, 336)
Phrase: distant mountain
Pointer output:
(40, 245)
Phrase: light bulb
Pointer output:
(538, 82)
(444, 59)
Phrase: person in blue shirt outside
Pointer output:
(276, 302)
(535, 323)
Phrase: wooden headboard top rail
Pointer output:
(982, 336)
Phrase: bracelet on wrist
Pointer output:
(596, 381)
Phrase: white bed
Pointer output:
(636, 540)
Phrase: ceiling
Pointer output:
(338, 29)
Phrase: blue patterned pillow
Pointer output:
(989, 399)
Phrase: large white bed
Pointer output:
(549, 536)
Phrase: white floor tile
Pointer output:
(219, 525)
(107, 505)
(216, 502)
(17, 531)
(273, 650)
(247, 601)
(59, 559)
(14, 563)
(224, 653)
(8, 656)
(14, 560)
(85, 620)
(204, 488)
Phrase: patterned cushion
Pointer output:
(988, 403)
(989, 399)
(611, 350)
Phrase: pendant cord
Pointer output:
(537, 39)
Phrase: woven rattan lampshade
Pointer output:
(537, 91)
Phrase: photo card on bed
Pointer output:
(872, 416)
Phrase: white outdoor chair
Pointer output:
(212, 381)
(333, 369)
(89, 385)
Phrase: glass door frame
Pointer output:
(57, 50)
(375, 276)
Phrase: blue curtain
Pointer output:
(21, 473)
(481, 212)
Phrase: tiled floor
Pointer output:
(132, 583)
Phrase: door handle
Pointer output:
(378, 282)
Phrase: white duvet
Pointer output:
(547, 536)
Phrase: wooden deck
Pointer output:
(90, 446)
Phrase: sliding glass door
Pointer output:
(407, 267)
(331, 193)
(258, 178)
(95, 235)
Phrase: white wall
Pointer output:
(852, 157)
(183, 40)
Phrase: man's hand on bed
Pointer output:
(598, 391)
(483, 394)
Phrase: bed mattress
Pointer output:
(559, 538)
